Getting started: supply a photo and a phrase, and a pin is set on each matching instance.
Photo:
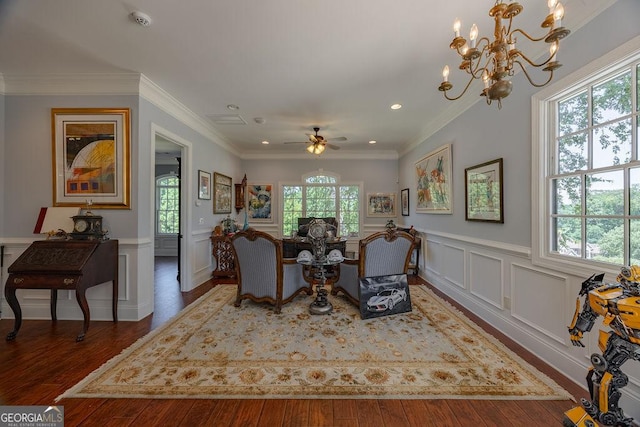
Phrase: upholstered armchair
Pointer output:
(263, 275)
(380, 254)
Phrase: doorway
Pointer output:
(170, 159)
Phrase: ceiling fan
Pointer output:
(317, 143)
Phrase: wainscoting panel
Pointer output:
(530, 304)
(538, 299)
(453, 265)
(486, 280)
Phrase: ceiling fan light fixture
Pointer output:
(315, 148)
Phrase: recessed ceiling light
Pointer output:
(372, 142)
(233, 107)
(265, 142)
(396, 106)
(259, 120)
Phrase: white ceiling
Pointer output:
(297, 64)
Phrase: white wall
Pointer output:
(487, 267)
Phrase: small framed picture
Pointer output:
(404, 201)
(204, 185)
(483, 192)
(222, 193)
(381, 204)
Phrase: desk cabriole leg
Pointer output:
(84, 306)
(10, 296)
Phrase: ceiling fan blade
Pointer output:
(339, 138)
(333, 147)
(313, 138)
(296, 142)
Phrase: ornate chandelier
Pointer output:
(494, 61)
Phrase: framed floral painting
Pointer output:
(434, 182)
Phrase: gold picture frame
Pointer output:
(221, 193)
(381, 205)
(91, 157)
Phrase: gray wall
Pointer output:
(485, 133)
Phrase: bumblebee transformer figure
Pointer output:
(619, 304)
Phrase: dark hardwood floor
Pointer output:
(45, 360)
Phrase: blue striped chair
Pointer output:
(380, 254)
(263, 275)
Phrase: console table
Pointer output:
(63, 264)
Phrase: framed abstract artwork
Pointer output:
(204, 185)
(91, 157)
(260, 202)
(483, 192)
(434, 182)
(221, 193)
(404, 201)
(381, 204)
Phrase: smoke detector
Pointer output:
(141, 18)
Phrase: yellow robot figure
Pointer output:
(619, 304)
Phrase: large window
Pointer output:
(322, 196)
(590, 180)
(167, 204)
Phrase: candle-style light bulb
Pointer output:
(558, 14)
(553, 49)
(473, 35)
(485, 79)
(445, 73)
(456, 27)
(552, 5)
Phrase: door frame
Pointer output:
(186, 275)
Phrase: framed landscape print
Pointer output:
(483, 192)
(221, 193)
(433, 182)
(91, 157)
(404, 201)
(381, 204)
(204, 185)
(260, 202)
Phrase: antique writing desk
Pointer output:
(63, 264)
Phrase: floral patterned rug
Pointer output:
(215, 350)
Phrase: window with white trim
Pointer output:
(322, 196)
(588, 170)
(167, 204)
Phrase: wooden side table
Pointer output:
(222, 252)
(63, 264)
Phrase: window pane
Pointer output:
(605, 193)
(635, 242)
(572, 114)
(612, 144)
(292, 210)
(349, 211)
(605, 240)
(568, 236)
(568, 200)
(612, 99)
(572, 153)
(634, 191)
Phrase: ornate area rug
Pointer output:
(215, 350)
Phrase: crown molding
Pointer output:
(167, 103)
(303, 155)
(72, 84)
(111, 84)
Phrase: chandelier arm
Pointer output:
(529, 77)
(478, 68)
(523, 56)
(463, 92)
(518, 30)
